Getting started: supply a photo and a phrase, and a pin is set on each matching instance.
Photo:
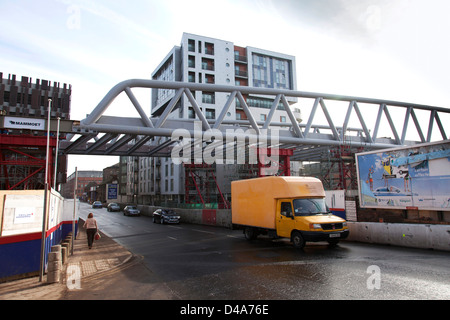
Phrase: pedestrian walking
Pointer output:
(91, 229)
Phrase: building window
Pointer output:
(240, 57)
(208, 64)
(209, 97)
(210, 114)
(263, 103)
(191, 77)
(191, 61)
(282, 118)
(6, 97)
(209, 48)
(262, 117)
(271, 72)
(191, 45)
(191, 113)
(240, 73)
(209, 78)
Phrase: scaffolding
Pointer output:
(203, 189)
(22, 162)
(274, 162)
(336, 168)
(201, 186)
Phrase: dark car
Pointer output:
(97, 204)
(131, 211)
(113, 207)
(165, 216)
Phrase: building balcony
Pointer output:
(208, 67)
(241, 59)
(209, 79)
(241, 74)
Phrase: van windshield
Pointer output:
(310, 207)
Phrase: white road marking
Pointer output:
(203, 231)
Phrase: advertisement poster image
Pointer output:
(417, 177)
(112, 191)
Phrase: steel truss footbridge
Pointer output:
(330, 120)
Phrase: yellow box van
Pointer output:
(289, 207)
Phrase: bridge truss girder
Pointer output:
(100, 134)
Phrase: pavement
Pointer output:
(108, 271)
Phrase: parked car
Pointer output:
(113, 207)
(131, 211)
(165, 216)
(97, 204)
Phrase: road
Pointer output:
(203, 262)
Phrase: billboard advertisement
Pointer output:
(415, 177)
(112, 191)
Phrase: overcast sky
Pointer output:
(387, 49)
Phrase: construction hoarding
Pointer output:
(21, 220)
(415, 177)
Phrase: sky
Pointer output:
(396, 50)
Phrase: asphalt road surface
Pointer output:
(202, 262)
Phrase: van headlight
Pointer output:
(315, 226)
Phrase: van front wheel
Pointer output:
(297, 240)
(250, 233)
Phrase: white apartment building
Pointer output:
(202, 59)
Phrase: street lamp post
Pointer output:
(56, 155)
(74, 208)
(46, 185)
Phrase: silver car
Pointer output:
(113, 207)
(131, 211)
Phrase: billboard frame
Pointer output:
(401, 197)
